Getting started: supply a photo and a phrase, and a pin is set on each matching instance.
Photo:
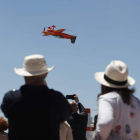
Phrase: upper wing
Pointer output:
(59, 31)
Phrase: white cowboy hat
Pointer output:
(115, 75)
(33, 65)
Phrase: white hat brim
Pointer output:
(23, 72)
(99, 76)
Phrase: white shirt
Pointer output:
(114, 115)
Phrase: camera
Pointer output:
(70, 97)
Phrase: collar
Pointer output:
(30, 89)
(112, 94)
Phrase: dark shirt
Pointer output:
(78, 123)
(35, 112)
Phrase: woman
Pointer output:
(119, 110)
(65, 131)
(3, 127)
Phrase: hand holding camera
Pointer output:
(73, 97)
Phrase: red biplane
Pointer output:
(58, 33)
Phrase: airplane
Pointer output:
(58, 33)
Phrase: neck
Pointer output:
(2, 132)
(35, 84)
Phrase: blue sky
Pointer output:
(106, 30)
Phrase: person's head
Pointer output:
(73, 106)
(115, 78)
(34, 69)
(3, 124)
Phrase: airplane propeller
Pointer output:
(44, 30)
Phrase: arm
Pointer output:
(81, 108)
(7, 104)
(105, 118)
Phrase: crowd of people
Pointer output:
(35, 112)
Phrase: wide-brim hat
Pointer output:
(33, 65)
(115, 75)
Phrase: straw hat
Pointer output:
(33, 65)
(115, 75)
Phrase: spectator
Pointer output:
(34, 111)
(65, 131)
(78, 122)
(119, 110)
(3, 127)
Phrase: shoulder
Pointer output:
(12, 95)
(59, 98)
(112, 98)
(135, 101)
(57, 95)
(67, 124)
(110, 95)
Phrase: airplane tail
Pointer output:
(73, 40)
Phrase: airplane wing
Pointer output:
(59, 31)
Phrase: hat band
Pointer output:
(114, 82)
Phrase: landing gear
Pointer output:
(73, 40)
